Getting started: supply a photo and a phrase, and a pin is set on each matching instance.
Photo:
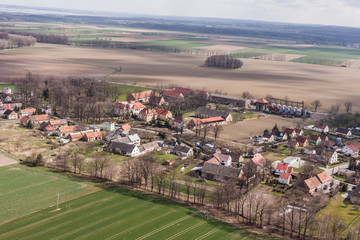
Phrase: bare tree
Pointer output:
(206, 128)
(246, 95)
(316, 104)
(217, 130)
(336, 226)
(348, 106)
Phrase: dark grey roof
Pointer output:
(211, 113)
(181, 148)
(342, 130)
(228, 97)
(221, 170)
(170, 142)
(121, 148)
(8, 112)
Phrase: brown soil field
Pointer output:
(297, 81)
(5, 161)
(240, 131)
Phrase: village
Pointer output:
(302, 163)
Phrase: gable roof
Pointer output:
(58, 122)
(221, 157)
(323, 177)
(68, 129)
(137, 105)
(179, 120)
(150, 145)
(42, 117)
(343, 130)
(144, 94)
(93, 134)
(312, 183)
(125, 127)
(314, 137)
(289, 130)
(221, 170)
(161, 111)
(353, 148)
(285, 175)
(171, 93)
(8, 112)
(24, 119)
(212, 119)
(282, 166)
(321, 126)
(262, 100)
(258, 159)
(301, 140)
(123, 147)
(31, 111)
(134, 137)
(181, 148)
(328, 143)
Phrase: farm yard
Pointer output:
(125, 214)
(25, 190)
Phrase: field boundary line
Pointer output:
(110, 225)
(207, 234)
(235, 235)
(73, 220)
(165, 227)
(140, 225)
(52, 217)
(186, 230)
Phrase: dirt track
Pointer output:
(5, 161)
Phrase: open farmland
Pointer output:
(121, 214)
(24, 190)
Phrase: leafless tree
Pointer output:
(188, 185)
(246, 95)
(316, 104)
(217, 130)
(348, 106)
(205, 128)
(337, 225)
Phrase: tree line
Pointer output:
(8, 40)
(44, 38)
(222, 61)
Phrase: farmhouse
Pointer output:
(179, 123)
(24, 121)
(37, 119)
(147, 115)
(350, 149)
(92, 136)
(321, 128)
(65, 131)
(290, 131)
(315, 139)
(125, 149)
(303, 142)
(220, 159)
(285, 178)
(27, 112)
(128, 108)
(219, 172)
(170, 95)
(203, 112)
(157, 101)
(320, 181)
(343, 132)
(163, 114)
(235, 101)
(261, 105)
(184, 151)
(53, 124)
(10, 114)
(197, 122)
(142, 97)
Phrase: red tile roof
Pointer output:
(213, 161)
(353, 147)
(284, 175)
(125, 127)
(289, 130)
(301, 140)
(69, 129)
(321, 126)
(262, 101)
(312, 183)
(137, 105)
(324, 177)
(298, 131)
(282, 166)
(161, 111)
(42, 117)
(178, 120)
(212, 119)
(314, 137)
(258, 159)
(93, 134)
(24, 119)
(144, 94)
(31, 111)
(171, 93)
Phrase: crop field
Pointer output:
(124, 89)
(24, 190)
(117, 213)
(179, 43)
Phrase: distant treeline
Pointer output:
(45, 38)
(222, 61)
(8, 40)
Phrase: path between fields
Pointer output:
(6, 161)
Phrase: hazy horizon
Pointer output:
(330, 12)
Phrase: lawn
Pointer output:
(189, 114)
(338, 207)
(24, 190)
(14, 88)
(124, 89)
(272, 157)
(162, 157)
(117, 213)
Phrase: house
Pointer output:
(147, 115)
(279, 135)
(108, 126)
(330, 157)
(179, 123)
(128, 108)
(236, 158)
(343, 132)
(299, 132)
(219, 172)
(53, 124)
(27, 112)
(309, 151)
(261, 105)
(281, 168)
(163, 114)
(290, 132)
(125, 128)
(197, 122)
(172, 96)
(142, 97)
(65, 131)
(157, 101)
(350, 149)
(46, 110)
(251, 167)
(315, 139)
(221, 159)
(324, 137)
(269, 137)
(37, 119)
(94, 128)
(303, 142)
(6, 90)
(312, 184)
(169, 144)
(92, 136)
(227, 100)
(10, 114)
(293, 144)
(182, 150)
(125, 149)
(293, 161)
(151, 146)
(134, 139)
(284, 178)
(7, 99)
(355, 195)
(75, 136)
(24, 121)
(328, 144)
(204, 112)
(321, 128)
(324, 177)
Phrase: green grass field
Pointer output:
(117, 213)
(14, 88)
(24, 190)
(124, 89)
